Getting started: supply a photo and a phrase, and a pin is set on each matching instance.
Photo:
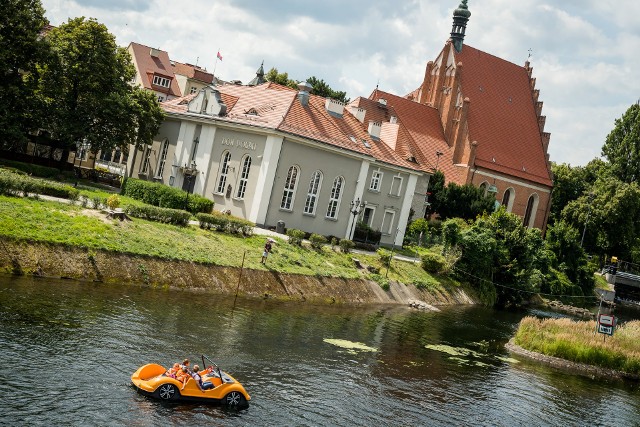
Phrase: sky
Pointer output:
(584, 53)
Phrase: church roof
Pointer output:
(502, 116)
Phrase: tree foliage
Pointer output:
(20, 50)
(321, 88)
(464, 201)
(85, 89)
(281, 78)
(622, 146)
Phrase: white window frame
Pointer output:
(160, 98)
(163, 158)
(194, 152)
(244, 176)
(146, 154)
(534, 198)
(334, 199)
(223, 172)
(161, 81)
(397, 194)
(289, 191)
(376, 180)
(393, 217)
(512, 197)
(193, 90)
(311, 203)
(373, 214)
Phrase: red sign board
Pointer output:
(607, 320)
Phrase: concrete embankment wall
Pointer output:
(109, 267)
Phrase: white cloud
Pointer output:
(584, 51)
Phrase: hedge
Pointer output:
(31, 169)
(295, 236)
(155, 213)
(156, 194)
(346, 245)
(433, 263)
(15, 184)
(225, 223)
(317, 241)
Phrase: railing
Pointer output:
(113, 167)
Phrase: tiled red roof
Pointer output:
(501, 116)
(420, 132)
(277, 107)
(192, 72)
(148, 66)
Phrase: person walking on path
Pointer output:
(266, 251)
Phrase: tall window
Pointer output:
(396, 186)
(163, 158)
(196, 142)
(145, 160)
(529, 213)
(244, 177)
(376, 180)
(289, 188)
(312, 195)
(507, 199)
(334, 200)
(224, 170)
(387, 222)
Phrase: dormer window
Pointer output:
(251, 112)
(161, 81)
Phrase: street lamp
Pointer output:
(356, 208)
(438, 154)
(587, 220)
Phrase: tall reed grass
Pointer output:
(578, 341)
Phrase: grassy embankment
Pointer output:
(578, 342)
(25, 219)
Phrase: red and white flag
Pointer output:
(219, 56)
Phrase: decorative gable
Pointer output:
(209, 102)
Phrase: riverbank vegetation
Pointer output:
(577, 341)
(74, 225)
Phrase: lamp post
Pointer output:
(584, 230)
(438, 154)
(356, 208)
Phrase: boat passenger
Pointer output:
(183, 376)
(203, 385)
(173, 370)
(185, 364)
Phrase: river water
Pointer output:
(68, 350)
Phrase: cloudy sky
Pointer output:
(585, 53)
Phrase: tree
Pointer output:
(281, 78)
(464, 201)
(569, 257)
(622, 146)
(85, 86)
(435, 192)
(321, 88)
(21, 22)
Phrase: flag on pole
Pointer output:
(219, 56)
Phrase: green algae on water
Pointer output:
(349, 345)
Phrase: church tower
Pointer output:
(460, 18)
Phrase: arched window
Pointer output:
(312, 195)
(289, 188)
(507, 199)
(163, 158)
(224, 170)
(334, 200)
(530, 212)
(483, 187)
(244, 177)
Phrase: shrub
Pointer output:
(31, 169)
(161, 195)
(14, 184)
(385, 257)
(225, 223)
(113, 201)
(364, 233)
(97, 202)
(433, 263)
(317, 241)
(346, 245)
(365, 246)
(381, 280)
(424, 283)
(154, 213)
(295, 236)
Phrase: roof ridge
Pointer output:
(489, 54)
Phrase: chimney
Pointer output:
(334, 107)
(358, 113)
(154, 52)
(382, 102)
(303, 94)
(374, 129)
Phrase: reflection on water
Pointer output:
(71, 348)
